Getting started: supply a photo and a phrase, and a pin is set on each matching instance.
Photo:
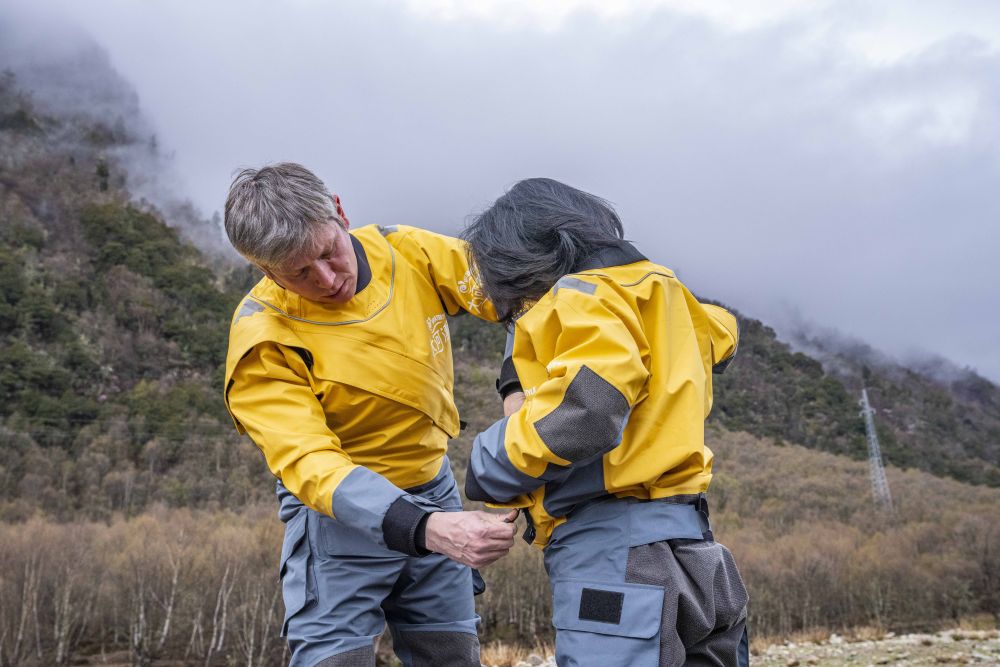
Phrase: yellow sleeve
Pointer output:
(595, 374)
(272, 399)
(447, 264)
(725, 335)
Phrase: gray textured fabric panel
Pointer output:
(359, 657)
(704, 605)
(435, 649)
(589, 420)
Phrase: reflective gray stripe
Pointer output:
(387, 229)
(651, 273)
(594, 273)
(569, 282)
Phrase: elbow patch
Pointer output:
(588, 422)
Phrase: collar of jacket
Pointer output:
(364, 269)
(619, 254)
(378, 258)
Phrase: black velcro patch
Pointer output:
(601, 606)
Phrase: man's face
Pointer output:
(326, 271)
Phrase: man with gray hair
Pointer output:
(340, 369)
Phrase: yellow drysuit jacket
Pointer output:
(616, 362)
(352, 403)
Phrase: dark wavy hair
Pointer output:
(532, 236)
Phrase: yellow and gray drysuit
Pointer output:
(352, 407)
(607, 456)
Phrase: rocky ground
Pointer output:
(951, 647)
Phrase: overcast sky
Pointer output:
(839, 161)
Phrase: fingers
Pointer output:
(473, 538)
(489, 541)
(497, 526)
(486, 559)
(495, 518)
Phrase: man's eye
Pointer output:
(302, 274)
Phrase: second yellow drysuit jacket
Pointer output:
(616, 363)
(351, 404)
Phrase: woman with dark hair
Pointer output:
(607, 454)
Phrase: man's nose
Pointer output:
(324, 275)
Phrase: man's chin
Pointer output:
(337, 299)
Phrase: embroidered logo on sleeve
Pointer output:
(437, 325)
(474, 296)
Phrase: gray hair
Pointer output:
(272, 213)
(532, 236)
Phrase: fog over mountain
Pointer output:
(837, 160)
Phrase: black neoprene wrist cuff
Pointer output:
(508, 382)
(400, 525)
(420, 537)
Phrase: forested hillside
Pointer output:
(112, 332)
(946, 427)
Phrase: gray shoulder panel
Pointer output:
(249, 307)
(588, 422)
(569, 282)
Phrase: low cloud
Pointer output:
(769, 163)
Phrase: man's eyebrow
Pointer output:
(329, 248)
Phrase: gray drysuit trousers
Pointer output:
(643, 584)
(340, 588)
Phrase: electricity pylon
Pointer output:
(880, 485)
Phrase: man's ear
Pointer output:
(269, 274)
(340, 210)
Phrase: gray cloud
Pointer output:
(770, 166)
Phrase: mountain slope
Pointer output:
(113, 332)
(112, 335)
(948, 429)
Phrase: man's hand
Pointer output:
(474, 538)
(513, 403)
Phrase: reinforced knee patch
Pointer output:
(359, 657)
(434, 648)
